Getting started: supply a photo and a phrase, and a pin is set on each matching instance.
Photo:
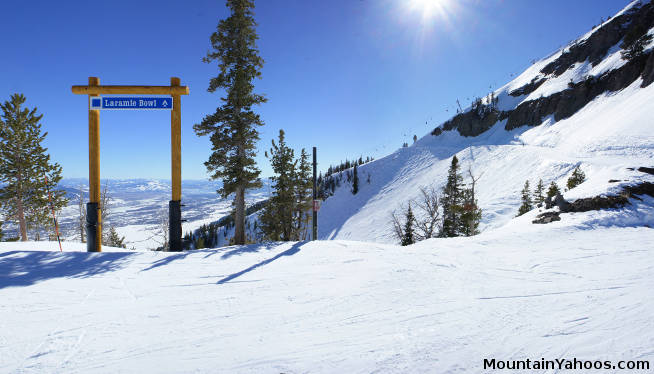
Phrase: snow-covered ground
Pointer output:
(605, 138)
(580, 288)
(565, 290)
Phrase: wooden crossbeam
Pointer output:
(130, 90)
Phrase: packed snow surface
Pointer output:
(443, 305)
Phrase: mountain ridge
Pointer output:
(605, 136)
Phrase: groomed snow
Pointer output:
(440, 306)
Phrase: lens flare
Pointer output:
(429, 9)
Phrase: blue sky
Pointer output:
(352, 77)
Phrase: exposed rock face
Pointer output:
(595, 47)
(645, 188)
(528, 88)
(557, 201)
(566, 103)
(471, 123)
(547, 217)
(647, 170)
(597, 203)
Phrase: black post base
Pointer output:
(175, 226)
(92, 227)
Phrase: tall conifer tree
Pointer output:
(471, 214)
(408, 236)
(553, 190)
(24, 166)
(538, 192)
(578, 177)
(452, 201)
(527, 204)
(303, 195)
(355, 181)
(277, 216)
(233, 127)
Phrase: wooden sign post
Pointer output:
(93, 90)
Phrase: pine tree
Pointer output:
(471, 214)
(553, 190)
(578, 177)
(452, 201)
(277, 215)
(114, 240)
(408, 236)
(24, 165)
(233, 127)
(303, 186)
(538, 193)
(527, 204)
(355, 181)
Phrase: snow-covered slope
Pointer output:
(441, 306)
(608, 135)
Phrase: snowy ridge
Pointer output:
(608, 136)
(605, 137)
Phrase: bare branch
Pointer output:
(428, 219)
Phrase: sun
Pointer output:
(429, 9)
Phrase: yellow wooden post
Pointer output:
(93, 208)
(174, 207)
(94, 171)
(176, 142)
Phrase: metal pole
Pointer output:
(314, 235)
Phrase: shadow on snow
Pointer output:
(289, 252)
(23, 268)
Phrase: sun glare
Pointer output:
(429, 9)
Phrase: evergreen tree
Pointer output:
(114, 240)
(24, 166)
(199, 243)
(355, 181)
(527, 204)
(277, 216)
(1, 234)
(452, 201)
(471, 214)
(408, 236)
(553, 190)
(538, 193)
(578, 177)
(303, 186)
(233, 127)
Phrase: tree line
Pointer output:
(452, 212)
(531, 200)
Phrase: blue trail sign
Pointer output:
(130, 102)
